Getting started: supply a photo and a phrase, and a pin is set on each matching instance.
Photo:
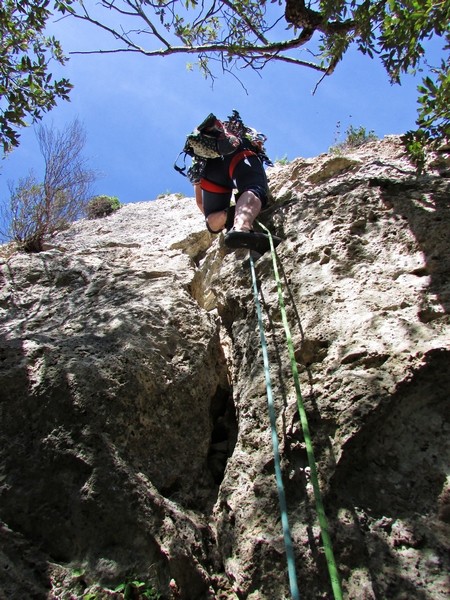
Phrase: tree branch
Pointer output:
(266, 51)
(125, 39)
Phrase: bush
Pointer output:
(35, 214)
(37, 209)
(283, 161)
(27, 214)
(102, 206)
(356, 136)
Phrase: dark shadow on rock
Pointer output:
(84, 453)
(424, 202)
(391, 474)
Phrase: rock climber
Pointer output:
(242, 170)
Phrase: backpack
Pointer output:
(214, 138)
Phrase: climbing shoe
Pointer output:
(253, 240)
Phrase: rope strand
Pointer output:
(276, 452)
(323, 522)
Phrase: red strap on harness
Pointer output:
(209, 186)
(237, 158)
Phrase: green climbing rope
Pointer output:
(326, 540)
(276, 452)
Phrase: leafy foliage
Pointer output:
(38, 210)
(102, 206)
(434, 116)
(26, 86)
(416, 143)
(137, 589)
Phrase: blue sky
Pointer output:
(136, 112)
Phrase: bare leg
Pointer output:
(242, 235)
(217, 220)
(248, 208)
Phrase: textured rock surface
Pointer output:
(135, 440)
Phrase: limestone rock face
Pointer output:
(135, 437)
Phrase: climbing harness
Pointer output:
(326, 540)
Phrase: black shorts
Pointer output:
(242, 170)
